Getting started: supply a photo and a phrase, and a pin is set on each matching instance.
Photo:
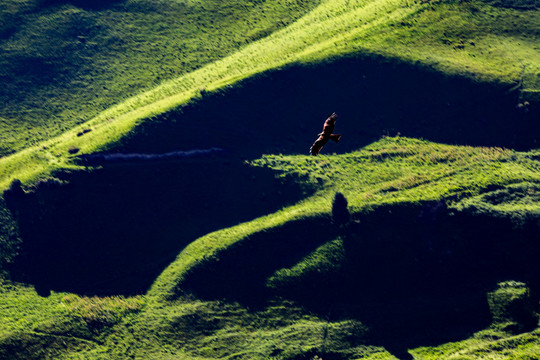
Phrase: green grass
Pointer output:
(193, 329)
(327, 258)
(35, 327)
(391, 171)
(489, 344)
(161, 325)
(53, 314)
(519, 202)
(438, 34)
(61, 65)
(90, 328)
(121, 80)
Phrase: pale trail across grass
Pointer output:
(334, 28)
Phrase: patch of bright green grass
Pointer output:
(66, 326)
(517, 201)
(488, 344)
(61, 313)
(195, 329)
(325, 259)
(47, 327)
(402, 169)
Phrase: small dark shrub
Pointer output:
(513, 306)
(340, 213)
(85, 131)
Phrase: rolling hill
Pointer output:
(158, 201)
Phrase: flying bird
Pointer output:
(325, 135)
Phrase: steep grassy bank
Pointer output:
(391, 171)
(461, 255)
(411, 275)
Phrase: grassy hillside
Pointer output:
(63, 62)
(210, 235)
(471, 39)
(391, 171)
(425, 216)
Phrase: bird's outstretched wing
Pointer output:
(326, 134)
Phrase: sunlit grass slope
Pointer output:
(472, 39)
(63, 62)
(486, 344)
(34, 327)
(166, 324)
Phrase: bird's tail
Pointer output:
(335, 137)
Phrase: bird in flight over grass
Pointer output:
(325, 135)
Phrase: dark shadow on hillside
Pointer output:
(240, 271)
(415, 276)
(39, 71)
(85, 4)
(114, 230)
(283, 111)
(514, 4)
